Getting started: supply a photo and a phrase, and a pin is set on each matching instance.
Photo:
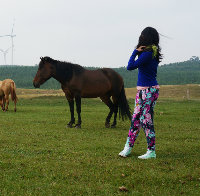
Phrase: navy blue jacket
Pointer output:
(147, 68)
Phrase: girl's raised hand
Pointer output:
(141, 48)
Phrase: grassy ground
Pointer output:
(40, 156)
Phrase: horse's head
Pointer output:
(45, 71)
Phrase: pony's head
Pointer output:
(45, 71)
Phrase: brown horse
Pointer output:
(77, 82)
(7, 87)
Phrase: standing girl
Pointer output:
(149, 56)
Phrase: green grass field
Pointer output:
(40, 156)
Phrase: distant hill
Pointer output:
(187, 72)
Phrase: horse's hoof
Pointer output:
(107, 125)
(15, 110)
(78, 126)
(69, 126)
(113, 126)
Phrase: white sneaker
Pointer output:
(149, 154)
(125, 152)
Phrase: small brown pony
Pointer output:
(7, 87)
(77, 82)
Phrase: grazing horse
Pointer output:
(78, 82)
(7, 87)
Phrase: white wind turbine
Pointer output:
(11, 36)
(4, 54)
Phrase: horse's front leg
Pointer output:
(1, 103)
(78, 109)
(71, 106)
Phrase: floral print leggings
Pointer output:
(143, 117)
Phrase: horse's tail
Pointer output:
(124, 109)
(13, 92)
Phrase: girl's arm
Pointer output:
(144, 58)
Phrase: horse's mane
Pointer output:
(65, 70)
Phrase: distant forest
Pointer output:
(187, 72)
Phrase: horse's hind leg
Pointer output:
(108, 102)
(15, 102)
(115, 110)
(15, 109)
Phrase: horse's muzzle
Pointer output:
(36, 85)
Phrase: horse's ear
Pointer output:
(42, 59)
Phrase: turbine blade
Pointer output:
(5, 35)
(7, 49)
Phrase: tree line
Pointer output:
(187, 72)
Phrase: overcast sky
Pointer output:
(100, 33)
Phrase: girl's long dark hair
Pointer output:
(150, 36)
